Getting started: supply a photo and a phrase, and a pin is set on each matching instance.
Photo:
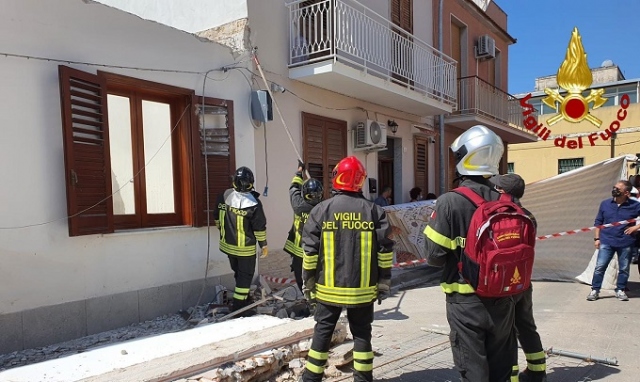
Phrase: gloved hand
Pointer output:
(384, 290)
(309, 288)
(300, 165)
(265, 252)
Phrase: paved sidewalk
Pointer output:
(411, 342)
(411, 326)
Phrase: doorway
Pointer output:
(390, 169)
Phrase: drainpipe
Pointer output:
(441, 117)
(613, 144)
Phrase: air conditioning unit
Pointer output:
(486, 47)
(370, 135)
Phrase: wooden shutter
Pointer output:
(402, 14)
(420, 164)
(219, 160)
(406, 15)
(85, 129)
(402, 54)
(395, 12)
(325, 144)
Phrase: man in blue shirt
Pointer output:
(383, 199)
(616, 239)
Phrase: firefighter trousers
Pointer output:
(326, 317)
(529, 337)
(483, 338)
(296, 268)
(243, 270)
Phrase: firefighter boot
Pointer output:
(237, 304)
(532, 376)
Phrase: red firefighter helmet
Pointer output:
(349, 175)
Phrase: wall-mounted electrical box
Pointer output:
(373, 186)
(261, 107)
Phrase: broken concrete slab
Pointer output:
(341, 354)
(102, 361)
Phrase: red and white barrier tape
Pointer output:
(586, 229)
(406, 264)
(279, 280)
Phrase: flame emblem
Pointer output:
(516, 278)
(574, 76)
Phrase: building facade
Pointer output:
(572, 145)
(474, 33)
(138, 128)
(104, 218)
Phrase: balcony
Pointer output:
(345, 47)
(479, 102)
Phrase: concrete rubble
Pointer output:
(283, 364)
(277, 354)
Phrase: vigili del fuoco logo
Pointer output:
(574, 77)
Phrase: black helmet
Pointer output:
(243, 179)
(312, 191)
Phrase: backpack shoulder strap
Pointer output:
(468, 193)
(506, 198)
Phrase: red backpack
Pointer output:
(497, 259)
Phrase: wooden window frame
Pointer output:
(138, 90)
(87, 152)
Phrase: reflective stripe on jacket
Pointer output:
(347, 250)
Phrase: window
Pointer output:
(325, 144)
(134, 152)
(537, 104)
(631, 91)
(565, 165)
(547, 110)
(614, 94)
(611, 99)
(510, 168)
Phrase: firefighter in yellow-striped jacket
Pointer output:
(347, 264)
(243, 225)
(303, 196)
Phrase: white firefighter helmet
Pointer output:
(477, 151)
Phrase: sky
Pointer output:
(543, 29)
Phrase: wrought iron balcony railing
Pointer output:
(476, 96)
(346, 31)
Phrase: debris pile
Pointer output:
(283, 364)
(286, 303)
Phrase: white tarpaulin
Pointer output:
(561, 203)
(569, 202)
